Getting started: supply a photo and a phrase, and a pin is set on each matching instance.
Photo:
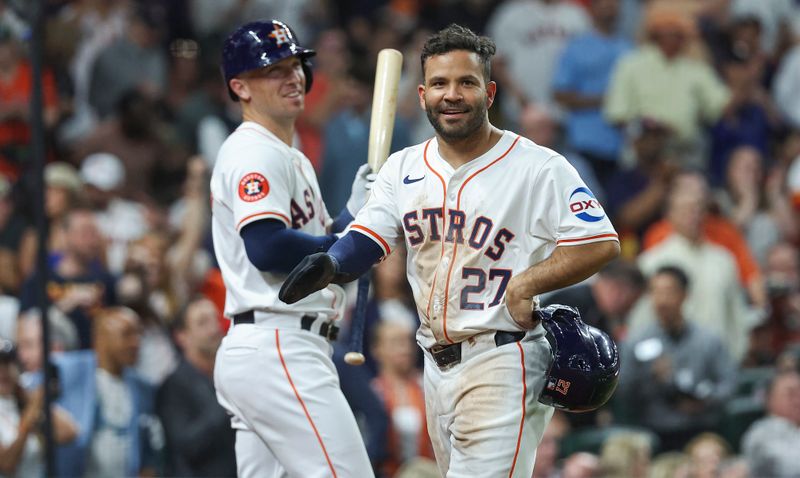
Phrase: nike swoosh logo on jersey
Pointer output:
(408, 180)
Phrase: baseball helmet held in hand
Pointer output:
(258, 44)
(585, 367)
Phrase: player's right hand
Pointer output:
(359, 193)
(313, 273)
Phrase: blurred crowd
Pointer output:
(683, 117)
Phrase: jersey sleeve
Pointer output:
(567, 211)
(259, 184)
(379, 218)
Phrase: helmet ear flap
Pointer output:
(308, 71)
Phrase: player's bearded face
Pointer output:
(470, 118)
(455, 97)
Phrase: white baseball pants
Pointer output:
(484, 418)
(289, 413)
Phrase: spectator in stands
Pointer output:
(120, 220)
(775, 18)
(605, 301)
(326, 98)
(146, 287)
(716, 298)
(21, 452)
(675, 373)
(758, 205)
(580, 83)
(62, 192)
(78, 283)
(538, 124)
(771, 444)
(15, 97)
(133, 62)
(626, 454)
(658, 80)
(112, 406)
(200, 441)
(76, 35)
(135, 134)
(530, 37)
(207, 116)
(781, 329)
(750, 117)
(636, 195)
(346, 136)
(718, 230)
(399, 385)
(63, 337)
(707, 452)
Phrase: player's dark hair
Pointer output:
(676, 273)
(456, 37)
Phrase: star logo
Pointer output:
(252, 187)
(281, 35)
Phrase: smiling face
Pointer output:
(456, 96)
(276, 91)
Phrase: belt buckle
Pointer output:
(446, 356)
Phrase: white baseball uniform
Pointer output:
(467, 232)
(276, 379)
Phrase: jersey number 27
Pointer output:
(468, 273)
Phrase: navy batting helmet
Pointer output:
(258, 44)
(585, 366)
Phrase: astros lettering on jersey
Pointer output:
(247, 188)
(469, 230)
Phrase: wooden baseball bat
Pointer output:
(381, 126)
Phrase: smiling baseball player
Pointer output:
(490, 220)
(273, 371)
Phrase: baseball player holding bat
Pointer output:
(273, 371)
(490, 220)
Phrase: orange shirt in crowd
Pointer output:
(18, 89)
(414, 398)
(718, 231)
(214, 290)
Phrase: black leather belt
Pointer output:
(327, 329)
(446, 356)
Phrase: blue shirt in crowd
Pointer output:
(585, 67)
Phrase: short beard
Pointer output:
(472, 125)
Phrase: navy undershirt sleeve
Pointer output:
(355, 253)
(342, 220)
(272, 247)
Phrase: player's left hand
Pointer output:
(520, 307)
(359, 193)
(313, 273)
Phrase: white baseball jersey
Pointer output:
(277, 381)
(258, 176)
(469, 230)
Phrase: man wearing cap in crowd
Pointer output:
(62, 188)
(659, 80)
(120, 220)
